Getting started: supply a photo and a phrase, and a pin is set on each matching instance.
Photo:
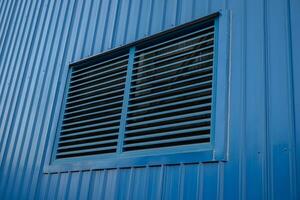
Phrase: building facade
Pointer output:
(261, 151)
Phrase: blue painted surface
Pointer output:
(38, 39)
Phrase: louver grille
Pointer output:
(93, 109)
(171, 92)
(155, 93)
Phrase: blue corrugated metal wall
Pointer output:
(38, 38)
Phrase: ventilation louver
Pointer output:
(93, 109)
(171, 92)
(155, 93)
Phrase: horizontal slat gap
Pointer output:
(180, 47)
(102, 74)
(102, 79)
(132, 106)
(172, 63)
(110, 82)
(101, 112)
(96, 120)
(188, 109)
(170, 91)
(166, 127)
(201, 70)
(174, 39)
(173, 51)
(77, 71)
(94, 137)
(165, 119)
(170, 133)
(172, 70)
(99, 130)
(79, 113)
(99, 102)
(172, 84)
(171, 106)
(111, 87)
(86, 151)
(98, 96)
(167, 141)
(104, 69)
(78, 129)
(87, 144)
(107, 152)
(90, 119)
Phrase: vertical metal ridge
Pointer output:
(78, 32)
(130, 182)
(182, 173)
(79, 184)
(220, 190)
(112, 39)
(43, 193)
(149, 17)
(200, 181)
(127, 19)
(5, 67)
(33, 144)
(105, 26)
(294, 42)
(178, 12)
(86, 184)
(57, 186)
(267, 189)
(138, 21)
(6, 142)
(86, 28)
(3, 10)
(242, 142)
(26, 145)
(291, 99)
(133, 21)
(208, 6)
(18, 84)
(91, 185)
(43, 140)
(92, 50)
(163, 24)
(16, 124)
(12, 57)
(161, 182)
(9, 42)
(27, 154)
(52, 186)
(66, 192)
(33, 79)
(12, 93)
(7, 19)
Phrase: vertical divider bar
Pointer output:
(125, 100)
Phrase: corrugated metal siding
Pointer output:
(39, 38)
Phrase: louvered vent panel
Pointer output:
(171, 92)
(93, 109)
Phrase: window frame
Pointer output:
(216, 151)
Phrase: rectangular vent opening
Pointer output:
(93, 108)
(155, 93)
(171, 91)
